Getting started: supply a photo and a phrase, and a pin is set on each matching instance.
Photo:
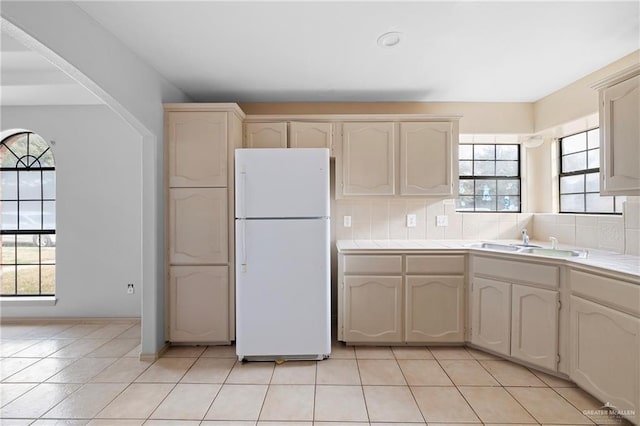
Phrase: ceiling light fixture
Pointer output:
(390, 39)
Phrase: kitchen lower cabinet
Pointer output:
(534, 325)
(605, 354)
(491, 318)
(199, 304)
(604, 342)
(515, 309)
(372, 309)
(401, 298)
(434, 309)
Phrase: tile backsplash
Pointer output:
(387, 219)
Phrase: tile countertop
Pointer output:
(605, 260)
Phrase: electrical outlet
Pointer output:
(442, 220)
(347, 221)
(130, 288)
(411, 221)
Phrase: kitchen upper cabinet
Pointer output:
(426, 163)
(373, 309)
(620, 133)
(198, 227)
(311, 135)
(368, 159)
(605, 349)
(197, 148)
(265, 135)
(491, 316)
(534, 325)
(198, 304)
(434, 308)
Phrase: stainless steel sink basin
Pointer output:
(530, 249)
(553, 252)
(496, 246)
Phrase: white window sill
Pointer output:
(28, 301)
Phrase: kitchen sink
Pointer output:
(530, 249)
(553, 252)
(497, 246)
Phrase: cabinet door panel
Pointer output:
(265, 135)
(368, 159)
(311, 135)
(534, 326)
(620, 138)
(605, 349)
(373, 309)
(434, 309)
(198, 304)
(491, 317)
(198, 227)
(426, 158)
(197, 149)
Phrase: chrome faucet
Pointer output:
(525, 237)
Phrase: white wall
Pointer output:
(71, 40)
(576, 100)
(99, 210)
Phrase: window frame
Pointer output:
(493, 177)
(582, 172)
(38, 234)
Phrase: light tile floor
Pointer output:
(88, 373)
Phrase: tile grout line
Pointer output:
(364, 397)
(511, 395)
(572, 404)
(458, 390)
(408, 385)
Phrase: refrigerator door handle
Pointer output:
(243, 193)
(243, 246)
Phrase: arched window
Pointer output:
(28, 214)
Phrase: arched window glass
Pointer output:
(28, 215)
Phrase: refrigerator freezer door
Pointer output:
(283, 288)
(279, 183)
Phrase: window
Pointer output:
(580, 176)
(27, 219)
(489, 178)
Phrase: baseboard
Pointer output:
(151, 357)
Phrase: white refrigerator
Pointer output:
(283, 274)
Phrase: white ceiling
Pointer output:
(29, 79)
(326, 51)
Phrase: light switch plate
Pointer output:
(442, 220)
(411, 221)
(347, 222)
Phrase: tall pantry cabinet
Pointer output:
(200, 143)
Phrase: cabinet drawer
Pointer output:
(445, 265)
(389, 264)
(509, 270)
(613, 292)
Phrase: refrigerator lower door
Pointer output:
(283, 289)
